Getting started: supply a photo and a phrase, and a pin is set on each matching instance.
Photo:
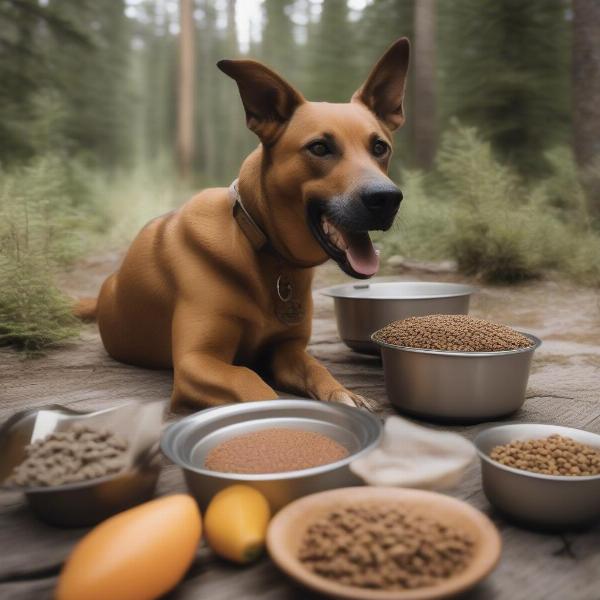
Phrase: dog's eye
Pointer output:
(380, 148)
(319, 149)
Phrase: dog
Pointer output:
(220, 289)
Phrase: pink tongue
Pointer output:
(360, 253)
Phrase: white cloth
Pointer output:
(417, 457)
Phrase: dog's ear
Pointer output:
(269, 100)
(383, 92)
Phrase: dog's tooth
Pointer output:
(326, 227)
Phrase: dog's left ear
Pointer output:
(383, 92)
(269, 100)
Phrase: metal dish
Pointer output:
(362, 308)
(457, 386)
(88, 502)
(188, 441)
(535, 499)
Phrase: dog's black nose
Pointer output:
(382, 201)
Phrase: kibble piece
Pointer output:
(274, 451)
(62, 457)
(455, 333)
(554, 455)
(389, 547)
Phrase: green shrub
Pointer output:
(422, 226)
(499, 231)
(480, 212)
(39, 230)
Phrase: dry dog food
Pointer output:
(458, 333)
(274, 451)
(69, 456)
(384, 546)
(554, 455)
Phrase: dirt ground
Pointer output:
(563, 389)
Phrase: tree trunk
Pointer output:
(586, 93)
(424, 117)
(187, 68)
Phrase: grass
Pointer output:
(124, 201)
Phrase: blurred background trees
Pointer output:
(513, 69)
(119, 107)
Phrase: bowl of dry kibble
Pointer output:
(544, 476)
(455, 367)
(373, 543)
(362, 308)
(79, 468)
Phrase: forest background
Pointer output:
(112, 112)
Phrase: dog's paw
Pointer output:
(344, 396)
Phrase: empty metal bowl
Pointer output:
(535, 499)
(87, 502)
(362, 308)
(456, 386)
(188, 441)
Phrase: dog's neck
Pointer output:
(250, 187)
(254, 197)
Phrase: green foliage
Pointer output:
(496, 226)
(37, 234)
(422, 228)
(504, 67)
(331, 57)
(495, 229)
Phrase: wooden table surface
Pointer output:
(563, 389)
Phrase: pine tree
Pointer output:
(332, 55)
(27, 27)
(504, 68)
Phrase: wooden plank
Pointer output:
(563, 389)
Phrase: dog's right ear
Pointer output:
(269, 100)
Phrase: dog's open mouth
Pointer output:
(352, 250)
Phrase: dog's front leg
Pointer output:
(203, 350)
(295, 370)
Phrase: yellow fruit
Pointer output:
(236, 522)
(139, 554)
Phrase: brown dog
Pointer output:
(220, 289)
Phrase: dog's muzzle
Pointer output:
(341, 225)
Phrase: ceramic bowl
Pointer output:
(288, 527)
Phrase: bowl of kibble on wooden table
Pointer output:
(362, 308)
(78, 468)
(284, 448)
(455, 367)
(373, 543)
(543, 476)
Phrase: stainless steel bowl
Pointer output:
(88, 502)
(362, 308)
(188, 441)
(457, 386)
(534, 499)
